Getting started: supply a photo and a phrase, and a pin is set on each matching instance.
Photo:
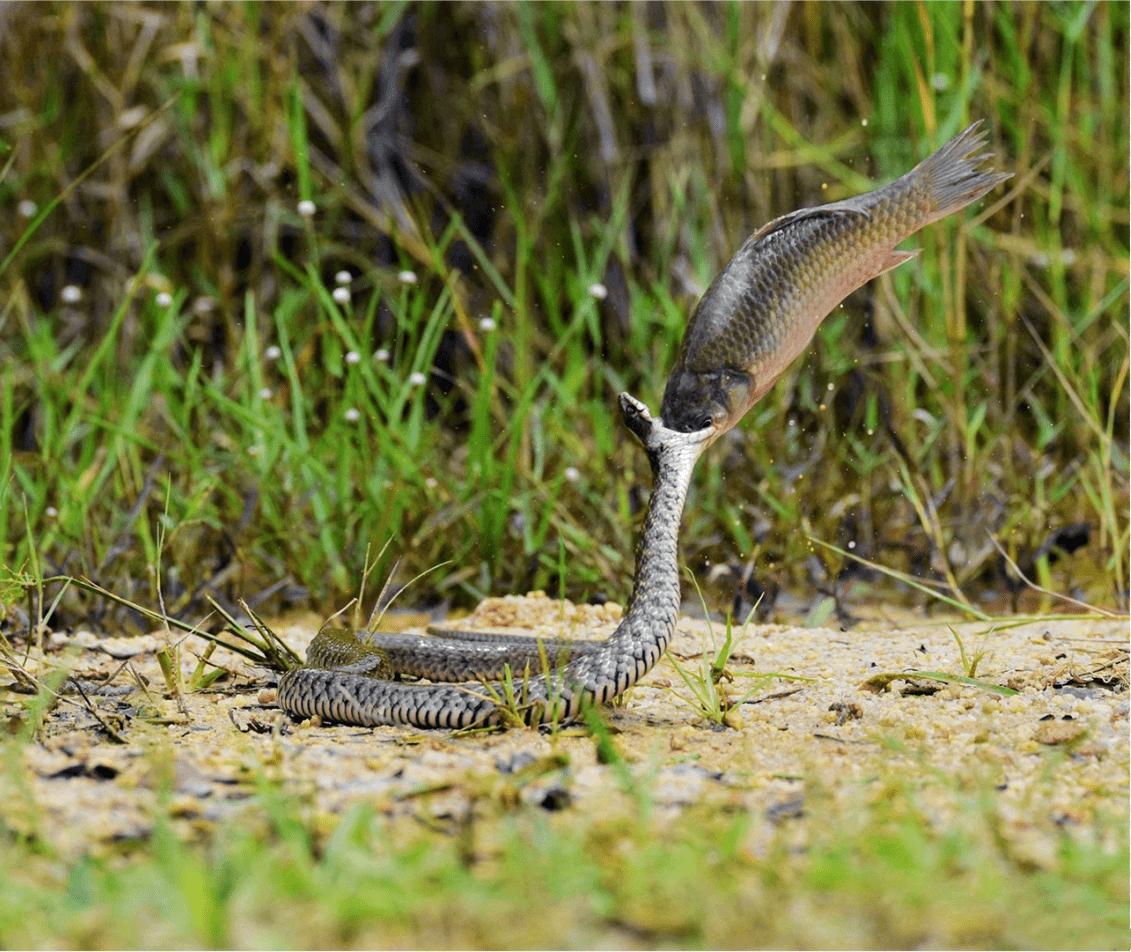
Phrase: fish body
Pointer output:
(762, 311)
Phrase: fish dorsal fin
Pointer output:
(837, 208)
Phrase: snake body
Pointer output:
(596, 672)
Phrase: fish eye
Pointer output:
(717, 417)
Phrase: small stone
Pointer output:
(1056, 732)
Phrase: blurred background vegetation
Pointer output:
(281, 282)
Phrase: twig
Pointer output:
(256, 656)
(1044, 591)
(920, 584)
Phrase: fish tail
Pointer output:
(956, 175)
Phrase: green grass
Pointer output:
(1001, 371)
(884, 876)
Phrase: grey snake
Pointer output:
(357, 689)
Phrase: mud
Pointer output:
(818, 719)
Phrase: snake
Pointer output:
(756, 317)
(344, 689)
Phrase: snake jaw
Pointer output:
(652, 431)
(636, 417)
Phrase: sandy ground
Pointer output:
(1053, 756)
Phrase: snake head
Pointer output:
(653, 432)
(636, 417)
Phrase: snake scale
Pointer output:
(757, 316)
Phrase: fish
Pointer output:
(763, 309)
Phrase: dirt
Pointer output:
(1041, 727)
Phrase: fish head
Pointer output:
(698, 399)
